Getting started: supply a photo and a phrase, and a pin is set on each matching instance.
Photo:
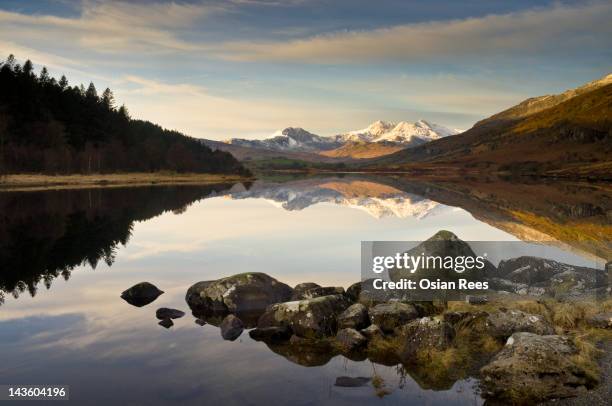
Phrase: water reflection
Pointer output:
(84, 334)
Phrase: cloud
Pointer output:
(111, 27)
(554, 30)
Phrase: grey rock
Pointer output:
(200, 322)
(476, 300)
(322, 291)
(165, 313)
(600, 320)
(503, 323)
(246, 292)
(389, 316)
(532, 368)
(349, 339)
(310, 318)
(299, 289)
(423, 334)
(141, 294)
(355, 316)
(231, 327)
(372, 331)
(353, 292)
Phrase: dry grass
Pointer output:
(39, 181)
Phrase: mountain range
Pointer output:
(562, 135)
(379, 138)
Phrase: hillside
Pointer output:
(570, 138)
(47, 126)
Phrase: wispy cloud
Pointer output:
(552, 30)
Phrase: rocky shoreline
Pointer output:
(520, 351)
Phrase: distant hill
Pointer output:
(566, 135)
(47, 126)
(379, 138)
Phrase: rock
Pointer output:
(322, 291)
(503, 323)
(388, 316)
(372, 331)
(476, 300)
(299, 289)
(600, 320)
(167, 323)
(165, 313)
(424, 334)
(141, 294)
(353, 291)
(349, 339)
(351, 382)
(462, 318)
(248, 293)
(311, 318)
(200, 322)
(231, 327)
(532, 368)
(356, 316)
(554, 278)
(275, 334)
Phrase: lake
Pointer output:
(66, 256)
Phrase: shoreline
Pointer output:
(32, 182)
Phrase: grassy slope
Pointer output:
(572, 138)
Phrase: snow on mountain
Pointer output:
(403, 132)
(298, 139)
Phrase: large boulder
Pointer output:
(141, 294)
(349, 339)
(243, 293)
(231, 327)
(321, 291)
(310, 318)
(532, 368)
(503, 323)
(422, 335)
(389, 316)
(356, 316)
(353, 291)
(300, 288)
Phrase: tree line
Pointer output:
(48, 126)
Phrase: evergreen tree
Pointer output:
(28, 68)
(91, 92)
(63, 82)
(44, 75)
(108, 99)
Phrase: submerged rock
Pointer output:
(271, 334)
(141, 294)
(231, 327)
(349, 339)
(600, 320)
(308, 318)
(532, 368)
(165, 313)
(388, 316)
(424, 334)
(200, 322)
(300, 288)
(303, 351)
(356, 316)
(242, 293)
(503, 323)
(351, 382)
(167, 323)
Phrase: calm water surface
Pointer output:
(67, 255)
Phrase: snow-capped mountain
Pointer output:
(403, 132)
(290, 139)
(297, 139)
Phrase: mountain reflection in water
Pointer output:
(88, 336)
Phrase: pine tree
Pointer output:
(63, 82)
(44, 75)
(108, 99)
(28, 68)
(91, 92)
(123, 112)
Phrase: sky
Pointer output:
(246, 68)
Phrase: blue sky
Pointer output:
(245, 68)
